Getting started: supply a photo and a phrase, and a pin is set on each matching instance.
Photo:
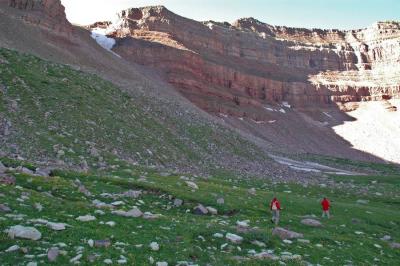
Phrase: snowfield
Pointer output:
(376, 130)
(100, 35)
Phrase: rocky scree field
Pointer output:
(138, 216)
(53, 114)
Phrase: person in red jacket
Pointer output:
(325, 207)
(275, 207)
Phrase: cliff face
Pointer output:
(238, 69)
(48, 14)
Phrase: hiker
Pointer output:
(275, 207)
(325, 207)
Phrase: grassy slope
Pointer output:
(178, 230)
(53, 107)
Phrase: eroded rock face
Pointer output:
(49, 14)
(237, 69)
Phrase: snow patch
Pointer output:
(100, 35)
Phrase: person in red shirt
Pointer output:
(325, 207)
(275, 207)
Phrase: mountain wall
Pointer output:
(49, 14)
(239, 68)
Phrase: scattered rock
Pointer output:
(132, 194)
(265, 255)
(12, 248)
(135, 213)
(150, 216)
(285, 234)
(82, 189)
(178, 202)
(395, 245)
(4, 208)
(19, 231)
(192, 185)
(212, 210)
(53, 253)
(218, 235)
(45, 172)
(234, 238)
(258, 243)
(107, 261)
(200, 210)
(76, 258)
(252, 191)
(154, 246)
(56, 226)
(386, 238)
(7, 180)
(162, 263)
(102, 243)
(360, 201)
(38, 207)
(311, 222)
(111, 223)
(24, 170)
(86, 218)
(220, 201)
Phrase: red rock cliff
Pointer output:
(239, 68)
(49, 14)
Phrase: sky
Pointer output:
(338, 14)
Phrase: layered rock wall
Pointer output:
(239, 68)
(49, 14)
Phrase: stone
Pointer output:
(52, 254)
(32, 263)
(76, 258)
(192, 185)
(102, 243)
(361, 201)
(150, 216)
(108, 261)
(45, 172)
(162, 263)
(154, 246)
(111, 223)
(178, 202)
(220, 201)
(311, 222)
(218, 235)
(212, 210)
(200, 210)
(395, 245)
(285, 234)
(132, 194)
(264, 256)
(91, 243)
(4, 208)
(234, 238)
(24, 170)
(56, 226)
(86, 218)
(19, 231)
(258, 243)
(38, 206)
(386, 238)
(7, 180)
(135, 213)
(12, 248)
(252, 191)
